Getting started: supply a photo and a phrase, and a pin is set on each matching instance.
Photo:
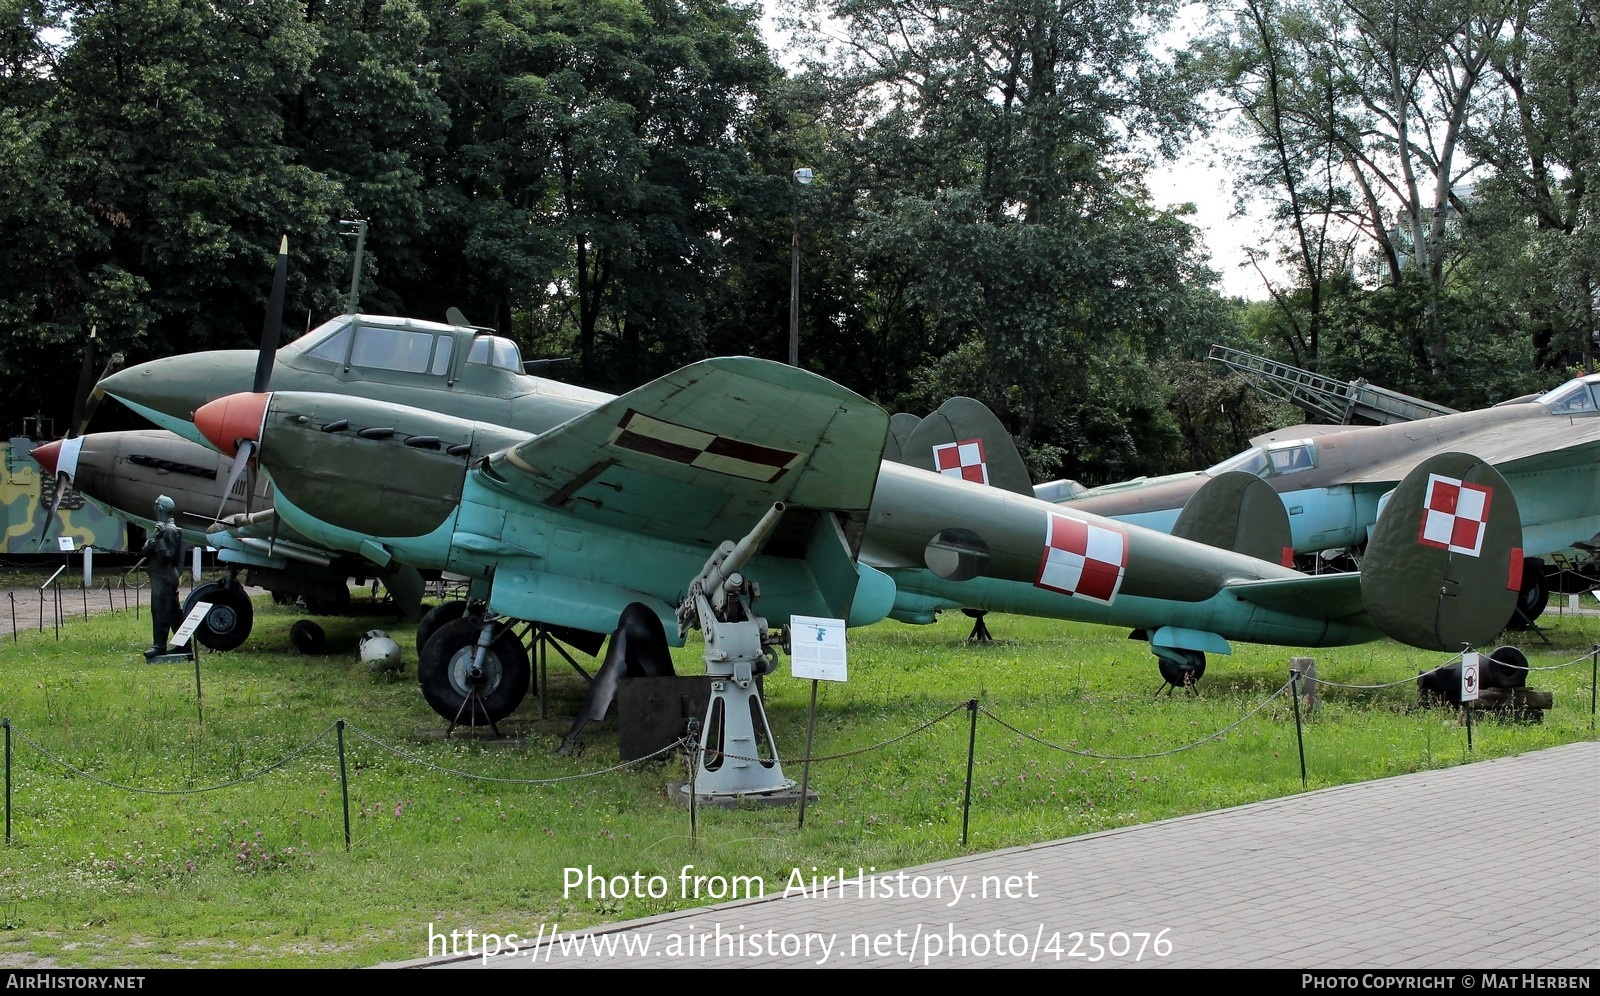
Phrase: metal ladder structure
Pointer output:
(1341, 402)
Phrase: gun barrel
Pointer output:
(746, 548)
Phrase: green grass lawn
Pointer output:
(152, 827)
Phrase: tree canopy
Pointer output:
(612, 180)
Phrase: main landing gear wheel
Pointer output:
(463, 693)
(438, 616)
(1181, 668)
(1534, 597)
(231, 618)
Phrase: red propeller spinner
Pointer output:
(237, 418)
(48, 455)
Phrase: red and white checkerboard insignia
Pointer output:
(964, 460)
(1455, 515)
(698, 448)
(1083, 559)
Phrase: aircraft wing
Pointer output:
(1520, 440)
(1551, 440)
(701, 454)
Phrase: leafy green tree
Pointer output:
(167, 181)
(591, 169)
(1358, 110)
(1271, 68)
(1534, 238)
(986, 161)
(370, 119)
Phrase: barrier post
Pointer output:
(1299, 739)
(972, 745)
(344, 786)
(6, 722)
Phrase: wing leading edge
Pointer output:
(701, 453)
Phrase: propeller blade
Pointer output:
(81, 398)
(98, 393)
(272, 326)
(247, 448)
(63, 481)
(57, 459)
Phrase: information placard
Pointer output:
(191, 622)
(816, 648)
(1469, 676)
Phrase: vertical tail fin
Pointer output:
(964, 439)
(1443, 567)
(901, 425)
(1239, 512)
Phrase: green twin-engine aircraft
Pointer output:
(737, 485)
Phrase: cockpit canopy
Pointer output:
(407, 345)
(1288, 456)
(1575, 397)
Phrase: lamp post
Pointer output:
(359, 230)
(797, 179)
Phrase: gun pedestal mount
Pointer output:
(737, 760)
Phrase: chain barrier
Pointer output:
(195, 791)
(1548, 667)
(662, 752)
(1444, 667)
(695, 754)
(849, 753)
(1141, 757)
(1312, 679)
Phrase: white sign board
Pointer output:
(1469, 676)
(64, 544)
(191, 622)
(816, 648)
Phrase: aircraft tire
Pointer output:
(444, 670)
(436, 617)
(1184, 668)
(1534, 597)
(230, 620)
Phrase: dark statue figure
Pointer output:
(163, 551)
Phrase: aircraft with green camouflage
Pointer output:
(737, 482)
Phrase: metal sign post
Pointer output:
(816, 651)
(1469, 688)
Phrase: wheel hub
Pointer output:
(468, 679)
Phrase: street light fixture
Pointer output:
(797, 179)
